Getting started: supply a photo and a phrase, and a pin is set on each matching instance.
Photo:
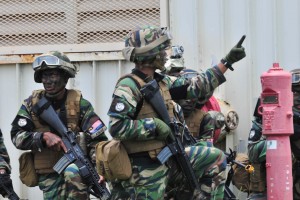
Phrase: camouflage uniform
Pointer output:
(4, 157)
(134, 121)
(54, 185)
(150, 175)
(257, 147)
(5, 171)
(201, 125)
(77, 114)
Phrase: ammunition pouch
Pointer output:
(133, 146)
(258, 178)
(241, 178)
(45, 160)
(28, 175)
(153, 147)
(112, 160)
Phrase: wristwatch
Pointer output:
(227, 64)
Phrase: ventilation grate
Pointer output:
(50, 22)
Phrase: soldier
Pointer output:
(201, 124)
(29, 132)
(4, 157)
(6, 186)
(257, 148)
(135, 123)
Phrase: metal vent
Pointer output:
(51, 22)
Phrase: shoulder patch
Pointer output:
(22, 122)
(120, 107)
(125, 92)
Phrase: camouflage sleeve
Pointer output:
(122, 122)
(178, 113)
(4, 157)
(201, 86)
(207, 127)
(23, 135)
(257, 144)
(93, 127)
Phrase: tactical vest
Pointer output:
(46, 159)
(152, 146)
(194, 120)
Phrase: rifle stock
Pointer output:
(174, 147)
(74, 154)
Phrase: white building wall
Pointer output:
(207, 29)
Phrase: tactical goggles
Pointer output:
(50, 60)
(177, 51)
(295, 78)
(166, 32)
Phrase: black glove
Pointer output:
(235, 54)
(5, 182)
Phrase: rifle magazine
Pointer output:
(63, 162)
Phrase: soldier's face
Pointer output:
(54, 81)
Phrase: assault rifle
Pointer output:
(174, 147)
(6, 187)
(74, 154)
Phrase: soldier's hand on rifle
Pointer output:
(235, 54)
(54, 142)
(101, 179)
(162, 129)
(2, 171)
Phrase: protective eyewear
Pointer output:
(166, 32)
(50, 60)
(296, 78)
(177, 51)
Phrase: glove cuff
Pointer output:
(227, 64)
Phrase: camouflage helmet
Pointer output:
(51, 60)
(146, 43)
